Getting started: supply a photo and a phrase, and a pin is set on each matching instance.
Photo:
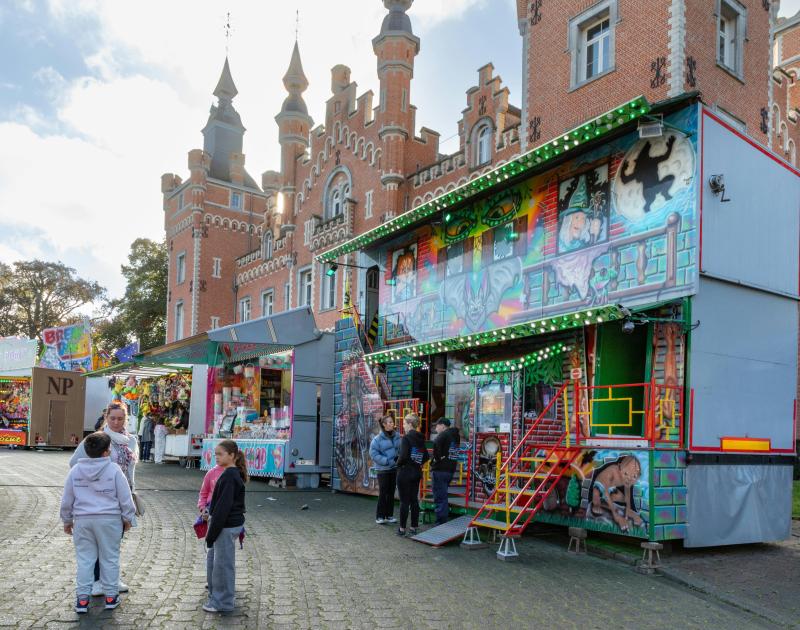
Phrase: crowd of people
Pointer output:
(399, 461)
(100, 504)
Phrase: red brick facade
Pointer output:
(367, 162)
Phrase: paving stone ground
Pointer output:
(328, 566)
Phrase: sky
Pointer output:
(103, 96)
(98, 98)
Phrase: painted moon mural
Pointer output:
(653, 171)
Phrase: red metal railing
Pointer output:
(557, 454)
(403, 406)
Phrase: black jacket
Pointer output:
(441, 450)
(227, 504)
(413, 454)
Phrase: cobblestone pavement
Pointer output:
(764, 578)
(328, 566)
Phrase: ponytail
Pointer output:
(241, 464)
(239, 461)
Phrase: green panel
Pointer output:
(621, 359)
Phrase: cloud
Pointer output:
(80, 183)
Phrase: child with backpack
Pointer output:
(97, 508)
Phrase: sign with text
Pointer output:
(13, 438)
(68, 347)
(264, 457)
(17, 353)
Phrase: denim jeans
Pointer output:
(441, 481)
(221, 569)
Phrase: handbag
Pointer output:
(200, 527)
(138, 503)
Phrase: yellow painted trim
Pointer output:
(745, 444)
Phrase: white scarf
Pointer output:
(122, 441)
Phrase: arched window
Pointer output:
(266, 245)
(337, 190)
(483, 145)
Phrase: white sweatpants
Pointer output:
(161, 445)
(97, 537)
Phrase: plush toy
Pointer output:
(118, 387)
(131, 390)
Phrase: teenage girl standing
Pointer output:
(225, 525)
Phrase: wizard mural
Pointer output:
(617, 224)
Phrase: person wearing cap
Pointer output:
(443, 466)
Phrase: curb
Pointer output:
(684, 579)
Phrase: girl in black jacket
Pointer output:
(225, 524)
(413, 455)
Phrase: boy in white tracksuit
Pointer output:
(96, 508)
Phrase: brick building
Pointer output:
(239, 250)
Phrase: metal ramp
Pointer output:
(443, 534)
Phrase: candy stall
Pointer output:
(269, 387)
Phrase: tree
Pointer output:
(35, 295)
(141, 313)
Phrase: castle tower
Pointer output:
(294, 125)
(395, 47)
(224, 132)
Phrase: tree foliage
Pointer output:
(140, 315)
(35, 295)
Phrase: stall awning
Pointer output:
(239, 342)
(139, 370)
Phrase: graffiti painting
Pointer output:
(356, 423)
(404, 273)
(616, 224)
(583, 210)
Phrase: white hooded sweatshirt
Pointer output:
(96, 487)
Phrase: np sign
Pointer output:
(59, 386)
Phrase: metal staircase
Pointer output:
(527, 477)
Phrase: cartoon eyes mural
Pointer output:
(498, 210)
(458, 226)
(502, 207)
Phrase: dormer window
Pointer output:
(483, 145)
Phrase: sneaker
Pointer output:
(380, 521)
(97, 589)
(123, 588)
(391, 519)
(112, 602)
(210, 608)
(412, 531)
(82, 605)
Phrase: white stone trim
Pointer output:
(676, 61)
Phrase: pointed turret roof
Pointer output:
(296, 83)
(295, 79)
(226, 89)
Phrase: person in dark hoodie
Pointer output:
(96, 508)
(413, 455)
(384, 450)
(443, 465)
(225, 525)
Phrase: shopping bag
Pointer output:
(200, 527)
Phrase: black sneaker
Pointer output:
(412, 531)
(82, 605)
(401, 532)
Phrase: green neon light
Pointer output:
(541, 326)
(534, 158)
(512, 365)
